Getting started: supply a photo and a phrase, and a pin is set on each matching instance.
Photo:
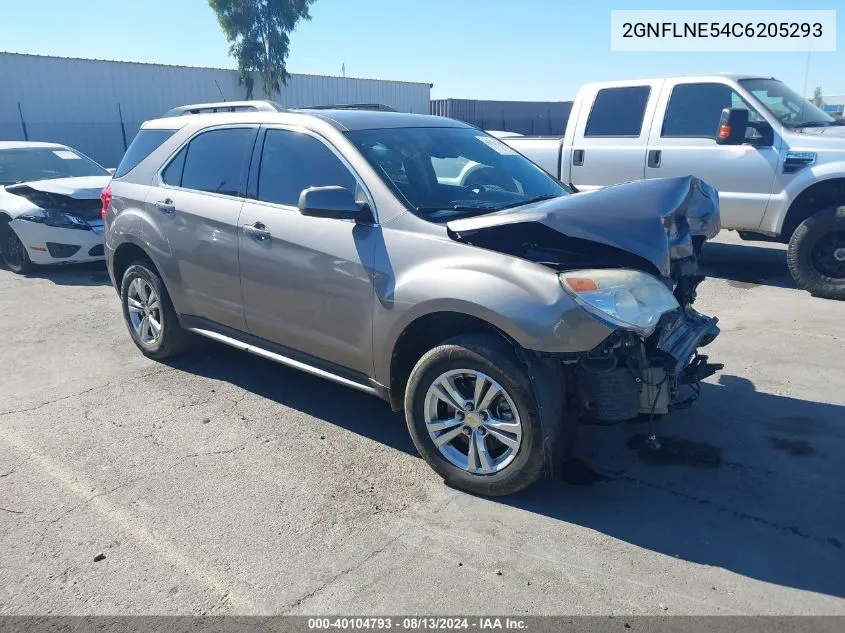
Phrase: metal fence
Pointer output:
(533, 118)
(97, 106)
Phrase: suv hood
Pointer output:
(81, 188)
(652, 220)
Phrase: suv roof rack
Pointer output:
(225, 106)
(378, 107)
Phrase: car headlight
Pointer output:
(57, 219)
(628, 299)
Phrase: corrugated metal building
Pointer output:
(525, 117)
(97, 106)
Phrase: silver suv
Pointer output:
(421, 260)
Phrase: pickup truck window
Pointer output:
(293, 161)
(694, 109)
(444, 173)
(788, 106)
(618, 112)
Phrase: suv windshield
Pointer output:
(444, 173)
(788, 106)
(44, 163)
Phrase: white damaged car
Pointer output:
(49, 205)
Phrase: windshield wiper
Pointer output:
(531, 201)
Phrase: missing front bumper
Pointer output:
(628, 377)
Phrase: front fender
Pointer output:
(781, 201)
(522, 299)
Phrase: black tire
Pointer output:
(173, 339)
(809, 251)
(487, 354)
(14, 252)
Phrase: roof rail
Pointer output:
(225, 106)
(379, 107)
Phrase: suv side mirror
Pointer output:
(732, 125)
(333, 202)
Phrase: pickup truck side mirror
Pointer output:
(732, 125)
(333, 202)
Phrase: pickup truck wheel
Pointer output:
(474, 418)
(816, 254)
(149, 314)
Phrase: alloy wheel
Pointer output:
(828, 255)
(472, 421)
(13, 249)
(145, 313)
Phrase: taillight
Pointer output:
(105, 196)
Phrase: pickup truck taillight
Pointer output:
(105, 196)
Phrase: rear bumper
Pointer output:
(51, 245)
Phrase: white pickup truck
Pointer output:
(777, 161)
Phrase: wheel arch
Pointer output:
(426, 332)
(816, 197)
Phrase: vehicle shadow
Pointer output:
(746, 265)
(747, 481)
(85, 274)
(303, 392)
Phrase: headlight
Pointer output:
(629, 299)
(58, 219)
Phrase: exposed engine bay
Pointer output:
(631, 373)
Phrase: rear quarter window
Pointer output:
(144, 144)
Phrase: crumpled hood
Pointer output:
(653, 219)
(82, 188)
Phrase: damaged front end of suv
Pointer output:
(626, 255)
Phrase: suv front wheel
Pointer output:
(149, 314)
(816, 254)
(474, 418)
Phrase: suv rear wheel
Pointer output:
(474, 418)
(149, 314)
(816, 255)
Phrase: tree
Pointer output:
(818, 99)
(258, 32)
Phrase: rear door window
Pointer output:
(144, 144)
(618, 112)
(172, 174)
(217, 161)
(293, 161)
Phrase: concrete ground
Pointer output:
(222, 483)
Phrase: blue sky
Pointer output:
(486, 49)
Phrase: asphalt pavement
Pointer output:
(222, 483)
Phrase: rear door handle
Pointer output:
(166, 206)
(257, 231)
(654, 156)
(578, 157)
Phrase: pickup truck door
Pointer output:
(610, 134)
(304, 279)
(682, 143)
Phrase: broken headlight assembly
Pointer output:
(628, 299)
(57, 219)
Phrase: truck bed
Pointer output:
(545, 151)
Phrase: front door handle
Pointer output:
(578, 157)
(166, 206)
(654, 158)
(257, 231)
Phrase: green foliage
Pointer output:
(258, 32)
(818, 99)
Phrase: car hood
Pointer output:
(652, 219)
(829, 131)
(81, 188)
